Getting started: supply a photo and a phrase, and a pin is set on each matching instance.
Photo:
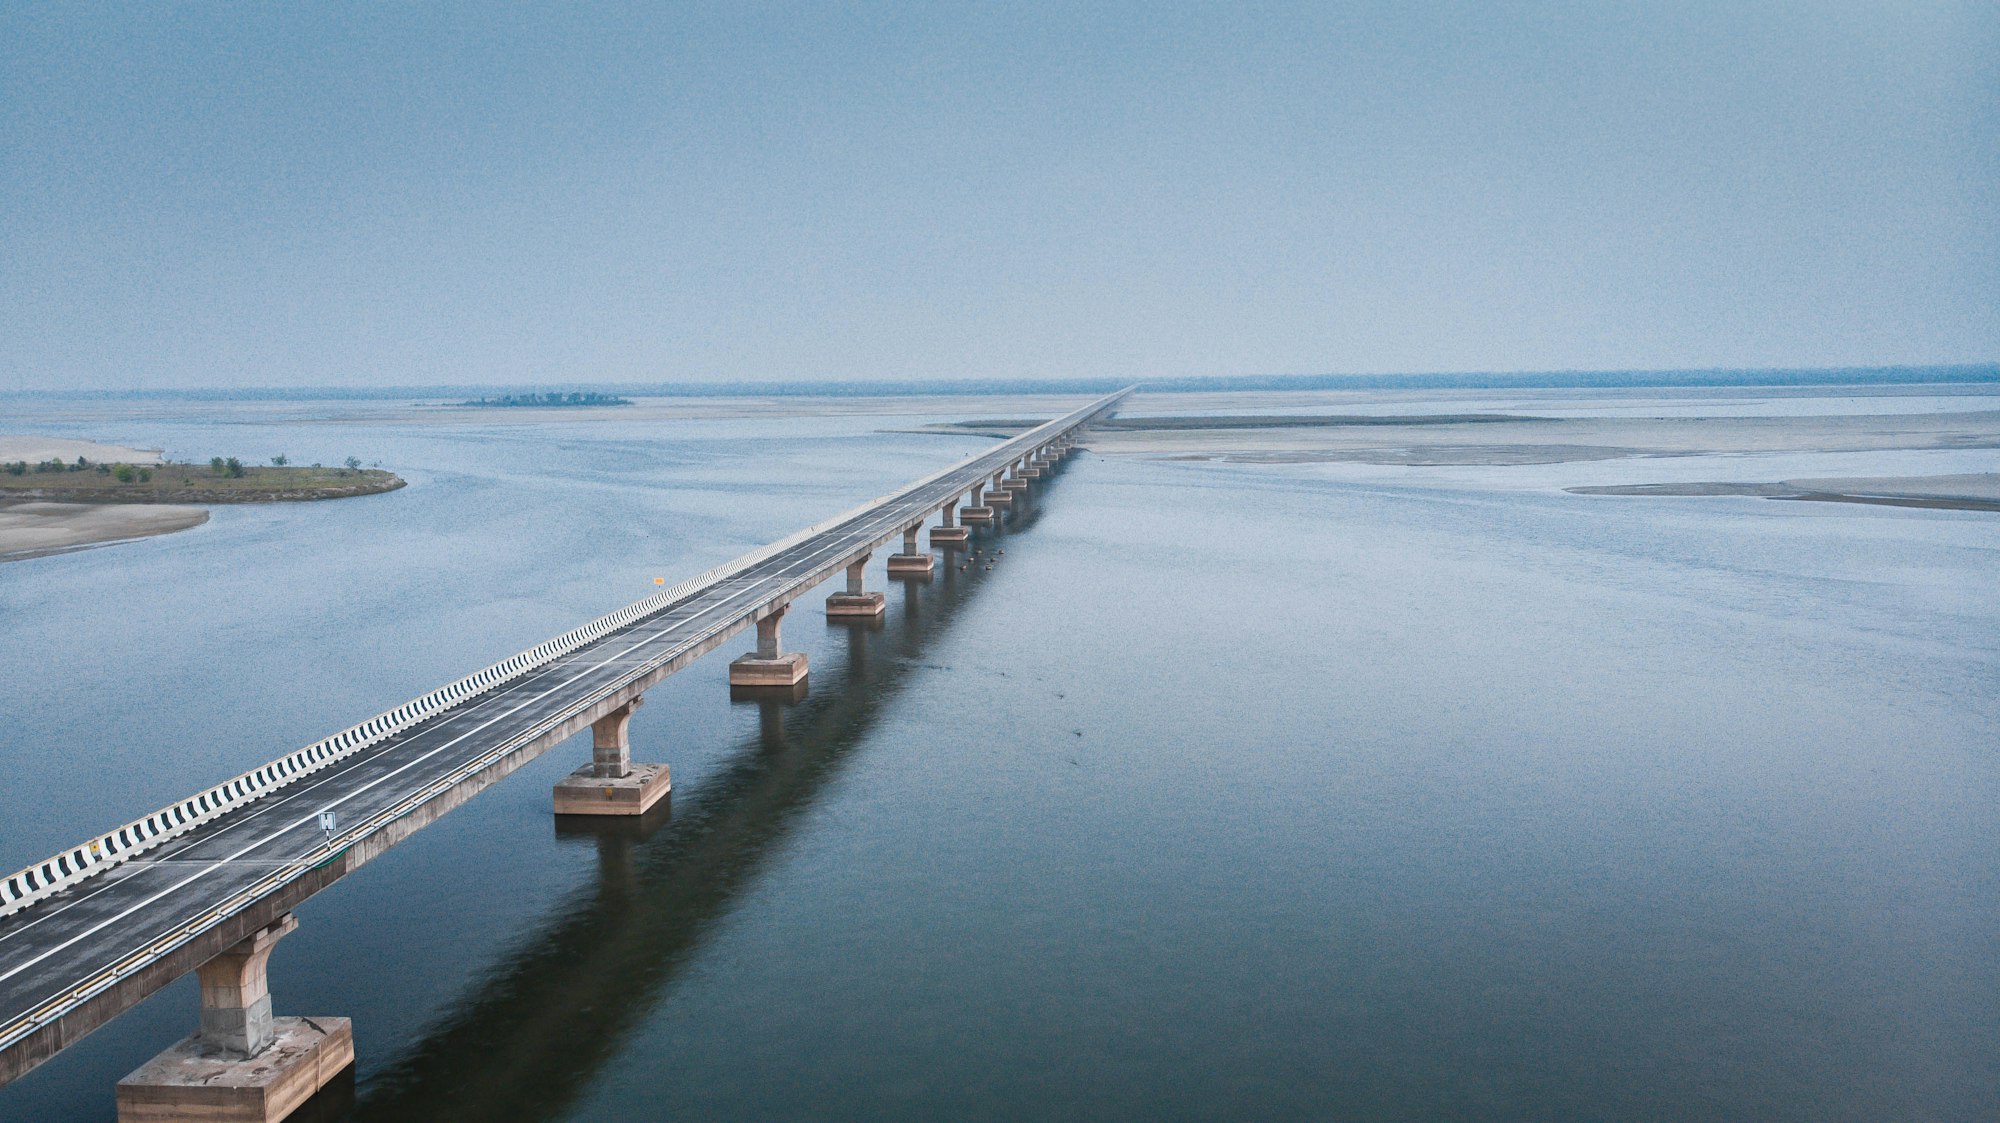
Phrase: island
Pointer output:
(221, 480)
(76, 494)
(551, 400)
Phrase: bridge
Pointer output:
(209, 883)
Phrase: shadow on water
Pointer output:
(529, 1042)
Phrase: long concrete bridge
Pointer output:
(209, 883)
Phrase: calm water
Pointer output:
(1228, 792)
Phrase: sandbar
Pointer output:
(31, 530)
(35, 449)
(1971, 492)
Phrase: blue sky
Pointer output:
(271, 195)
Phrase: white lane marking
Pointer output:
(846, 540)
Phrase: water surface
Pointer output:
(1290, 792)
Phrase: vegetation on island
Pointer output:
(552, 399)
(224, 479)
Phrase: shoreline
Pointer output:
(137, 496)
(174, 483)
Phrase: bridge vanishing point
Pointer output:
(209, 883)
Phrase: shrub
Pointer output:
(280, 460)
(125, 473)
(234, 468)
(145, 475)
(18, 468)
(216, 465)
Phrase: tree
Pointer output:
(233, 467)
(217, 465)
(145, 475)
(279, 460)
(80, 465)
(354, 463)
(18, 468)
(125, 473)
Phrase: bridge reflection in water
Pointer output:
(529, 1042)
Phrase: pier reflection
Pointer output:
(529, 1042)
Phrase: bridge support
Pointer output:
(910, 563)
(856, 601)
(976, 511)
(767, 666)
(244, 1064)
(947, 532)
(611, 784)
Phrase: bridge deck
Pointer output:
(73, 960)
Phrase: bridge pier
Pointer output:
(611, 784)
(767, 666)
(947, 532)
(976, 511)
(910, 563)
(243, 1064)
(856, 601)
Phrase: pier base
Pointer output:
(584, 792)
(863, 605)
(1001, 497)
(768, 666)
(952, 534)
(975, 514)
(780, 670)
(911, 565)
(1015, 484)
(783, 695)
(196, 1081)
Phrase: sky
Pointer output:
(259, 195)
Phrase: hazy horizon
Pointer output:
(218, 197)
(1694, 378)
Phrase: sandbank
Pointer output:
(1973, 492)
(29, 530)
(35, 449)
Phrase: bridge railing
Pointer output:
(63, 870)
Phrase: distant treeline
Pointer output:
(552, 398)
(610, 393)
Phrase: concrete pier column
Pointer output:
(976, 511)
(611, 784)
(243, 1064)
(236, 994)
(768, 666)
(611, 742)
(997, 493)
(946, 532)
(910, 563)
(856, 601)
